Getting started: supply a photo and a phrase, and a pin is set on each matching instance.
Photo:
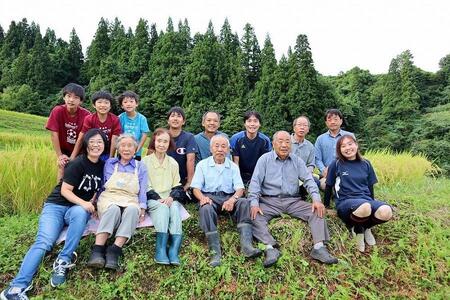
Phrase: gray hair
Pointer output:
(125, 136)
(275, 135)
(217, 136)
(302, 116)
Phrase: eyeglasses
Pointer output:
(95, 142)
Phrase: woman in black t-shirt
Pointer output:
(70, 203)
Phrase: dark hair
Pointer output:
(101, 95)
(252, 113)
(74, 88)
(339, 144)
(158, 132)
(176, 110)
(128, 94)
(90, 133)
(213, 112)
(333, 112)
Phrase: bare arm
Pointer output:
(77, 147)
(67, 192)
(142, 142)
(190, 169)
(236, 159)
(112, 150)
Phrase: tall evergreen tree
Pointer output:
(75, 58)
(97, 51)
(40, 76)
(140, 51)
(251, 56)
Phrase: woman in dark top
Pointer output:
(70, 203)
(353, 178)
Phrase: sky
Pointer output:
(342, 33)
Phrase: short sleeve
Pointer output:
(191, 146)
(331, 176)
(53, 122)
(372, 177)
(73, 173)
(116, 128)
(198, 181)
(87, 124)
(237, 149)
(144, 124)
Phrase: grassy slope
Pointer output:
(411, 261)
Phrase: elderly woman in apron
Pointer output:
(121, 205)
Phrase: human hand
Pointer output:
(142, 215)
(186, 186)
(88, 206)
(205, 200)
(63, 160)
(319, 208)
(254, 210)
(167, 201)
(325, 172)
(229, 204)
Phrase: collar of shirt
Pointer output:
(212, 163)
(294, 141)
(275, 156)
(338, 134)
(115, 160)
(154, 161)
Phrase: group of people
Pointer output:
(102, 172)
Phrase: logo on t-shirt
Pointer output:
(344, 173)
(71, 134)
(243, 146)
(181, 151)
(90, 182)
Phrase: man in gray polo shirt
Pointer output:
(274, 190)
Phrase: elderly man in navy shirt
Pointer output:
(218, 186)
(274, 190)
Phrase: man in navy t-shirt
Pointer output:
(248, 147)
(185, 146)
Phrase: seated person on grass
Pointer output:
(219, 188)
(164, 192)
(69, 204)
(121, 205)
(274, 190)
(353, 178)
(65, 122)
(249, 147)
(132, 121)
(103, 120)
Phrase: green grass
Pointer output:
(23, 123)
(411, 259)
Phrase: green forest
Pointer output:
(405, 109)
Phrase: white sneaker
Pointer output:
(359, 238)
(370, 239)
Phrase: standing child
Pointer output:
(103, 120)
(65, 123)
(133, 122)
(353, 178)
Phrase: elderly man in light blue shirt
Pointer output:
(218, 185)
(326, 143)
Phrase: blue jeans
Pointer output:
(51, 223)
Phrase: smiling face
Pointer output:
(252, 125)
(348, 148)
(129, 104)
(127, 148)
(219, 148)
(102, 106)
(72, 101)
(211, 122)
(95, 146)
(162, 143)
(175, 120)
(301, 127)
(333, 122)
(282, 144)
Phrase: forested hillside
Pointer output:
(405, 109)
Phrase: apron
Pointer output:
(121, 189)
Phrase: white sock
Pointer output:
(360, 242)
(269, 247)
(368, 236)
(318, 245)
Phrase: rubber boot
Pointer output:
(161, 248)
(174, 249)
(245, 231)
(97, 258)
(113, 253)
(214, 248)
